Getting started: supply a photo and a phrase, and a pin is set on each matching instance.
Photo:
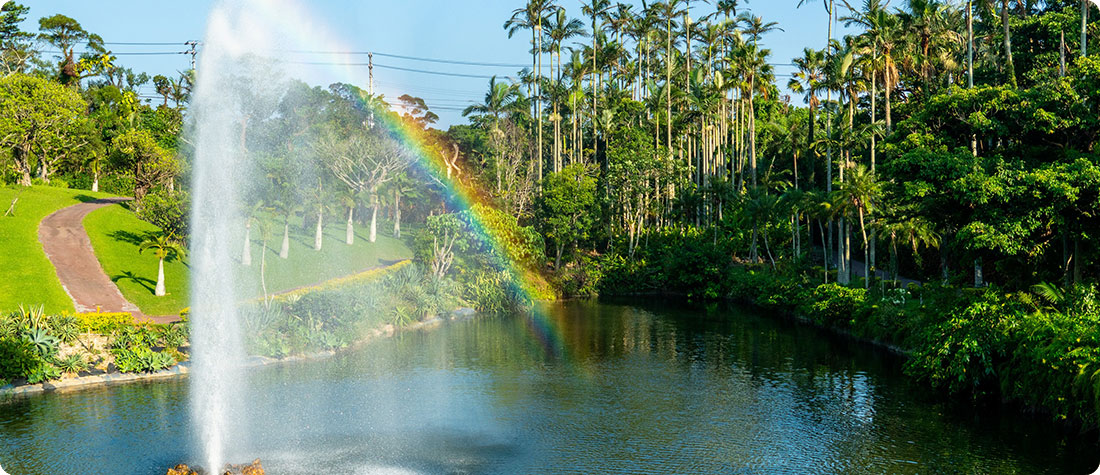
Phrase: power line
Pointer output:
(141, 44)
(414, 58)
(397, 68)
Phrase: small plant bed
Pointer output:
(36, 347)
(22, 254)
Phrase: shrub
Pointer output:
(166, 209)
(835, 305)
(43, 372)
(959, 352)
(73, 363)
(44, 344)
(141, 360)
(66, 327)
(103, 322)
(17, 358)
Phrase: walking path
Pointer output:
(67, 246)
(858, 269)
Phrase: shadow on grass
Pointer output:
(146, 282)
(130, 237)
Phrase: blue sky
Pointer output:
(469, 30)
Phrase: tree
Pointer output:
(16, 49)
(65, 34)
(41, 122)
(163, 246)
(363, 162)
(137, 152)
(531, 17)
(809, 81)
(502, 101)
(567, 207)
(860, 194)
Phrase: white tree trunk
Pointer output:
(95, 183)
(349, 235)
(317, 235)
(397, 215)
(374, 223)
(284, 251)
(246, 253)
(160, 280)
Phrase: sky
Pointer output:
(454, 30)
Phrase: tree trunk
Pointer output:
(159, 292)
(284, 250)
(1077, 259)
(349, 233)
(246, 253)
(841, 265)
(95, 182)
(374, 223)
(979, 279)
(396, 215)
(317, 240)
(1084, 27)
(1008, 44)
(557, 258)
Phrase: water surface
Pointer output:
(588, 387)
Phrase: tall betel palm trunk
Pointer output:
(1008, 44)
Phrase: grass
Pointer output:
(305, 266)
(30, 278)
(116, 232)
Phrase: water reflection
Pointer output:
(626, 388)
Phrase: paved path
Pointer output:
(67, 246)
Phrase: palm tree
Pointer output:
(669, 10)
(760, 208)
(502, 99)
(926, 23)
(755, 27)
(531, 17)
(561, 28)
(595, 9)
(163, 246)
(808, 80)
(860, 194)
(916, 231)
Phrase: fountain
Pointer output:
(227, 91)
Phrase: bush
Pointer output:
(141, 360)
(959, 352)
(17, 358)
(103, 322)
(835, 305)
(166, 209)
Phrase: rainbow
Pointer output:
(299, 30)
(464, 196)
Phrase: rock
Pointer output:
(254, 468)
(181, 469)
(463, 313)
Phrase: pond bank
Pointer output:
(183, 368)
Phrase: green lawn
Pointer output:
(305, 266)
(29, 277)
(115, 233)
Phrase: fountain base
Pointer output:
(254, 468)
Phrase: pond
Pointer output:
(583, 387)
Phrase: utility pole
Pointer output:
(370, 86)
(193, 44)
